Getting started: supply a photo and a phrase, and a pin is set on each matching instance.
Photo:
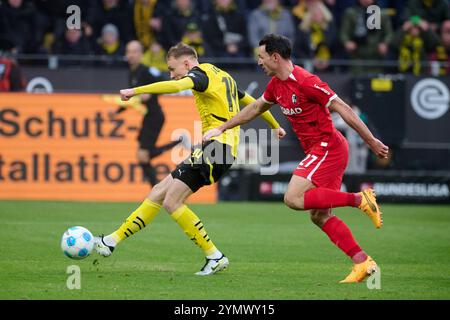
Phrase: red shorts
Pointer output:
(325, 163)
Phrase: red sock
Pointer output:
(323, 198)
(341, 236)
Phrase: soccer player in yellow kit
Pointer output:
(217, 99)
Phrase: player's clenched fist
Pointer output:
(126, 94)
(380, 149)
(280, 132)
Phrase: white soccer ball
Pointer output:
(77, 243)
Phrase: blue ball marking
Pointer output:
(70, 241)
(73, 228)
(67, 254)
(83, 252)
(87, 236)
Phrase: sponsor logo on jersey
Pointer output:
(294, 99)
(291, 111)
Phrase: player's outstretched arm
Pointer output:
(171, 86)
(246, 99)
(352, 119)
(247, 114)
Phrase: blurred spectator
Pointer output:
(299, 11)
(338, 8)
(109, 44)
(204, 6)
(51, 17)
(252, 4)
(148, 20)
(193, 37)
(232, 29)
(395, 9)
(432, 11)
(175, 21)
(270, 17)
(73, 43)
(362, 43)
(211, 32)
(46, 14)
(243, 6)
(18, 24)
(116, 12)
(316, 33)
(413, 43)
(11, 78)
(442, 53)
(155, 57)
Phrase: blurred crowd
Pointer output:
(411, 31)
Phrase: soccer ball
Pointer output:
(77, 243)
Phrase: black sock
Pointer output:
(149, 173)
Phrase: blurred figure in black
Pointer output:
(116, 12)
(18, 23)
(72, 43)
(11, 79)
(153, 120)
(362, 43)
(51, 17)
(175, 21)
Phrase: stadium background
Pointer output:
(57, 141)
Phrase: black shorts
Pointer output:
(206, 164)
(150, 130)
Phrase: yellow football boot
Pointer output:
(361, 271)
(370, 207)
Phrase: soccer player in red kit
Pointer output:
(306, 101)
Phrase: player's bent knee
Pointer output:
(293, 201)
(143, 161)
(157, 193)
(171, 205)
(319, 217)
(316, 219)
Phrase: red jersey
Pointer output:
(304, 100)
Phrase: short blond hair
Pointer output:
(181, 49)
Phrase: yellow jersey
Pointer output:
(217, 101)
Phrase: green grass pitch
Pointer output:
(275, 253)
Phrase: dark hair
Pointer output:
(181, 49)
(276, 43)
